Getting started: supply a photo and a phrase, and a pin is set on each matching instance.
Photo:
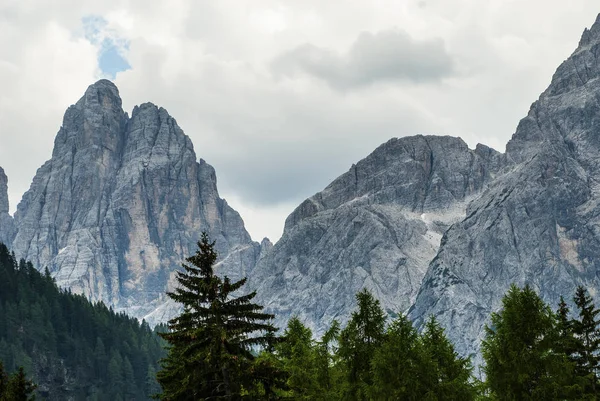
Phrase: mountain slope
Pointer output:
(539, 222)
(72, 349)
(377, 226)
(6, 220)
(121, 203)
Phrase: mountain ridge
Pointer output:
(121, 203)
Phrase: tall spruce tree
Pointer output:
(565, 346)
(518, 350)
(210, 343)
(16, 387)
(451, 373)
(587, 343)
(400, 365)
(358, 342)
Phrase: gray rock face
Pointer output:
(6, 221)
(539, 221)
(121, 203)
(377, 226)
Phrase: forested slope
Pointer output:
(71, 348)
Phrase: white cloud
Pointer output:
(389, 55)
(275, 141)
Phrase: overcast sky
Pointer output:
(281, 97)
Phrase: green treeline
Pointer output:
(224, 347)
(533, 353)
(213, 353)
(68, 346)
(530, 352)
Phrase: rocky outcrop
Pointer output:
(377, 226)
(539, 221)
(121, 203)
(6, 221)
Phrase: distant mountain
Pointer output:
(429, 225)
(377, 226)
(435, 228)
(119, 206)
(7, 228)
(539, 221)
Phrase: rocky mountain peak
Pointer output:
(591, 35)
(538, 221)
(4, 206)
(6, 220)
(376, 226)
(121, 203)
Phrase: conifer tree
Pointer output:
(588, 340)
(325, 362)
(3, 380)
(521, 363)
(358, 342)
(211, 341)
(565, 346)
(451, 373)
(298, 354)
(18, 387)
(400, 364)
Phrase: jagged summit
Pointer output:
(539, 221)
(4, 205)
(376, 226)
(6, 220)
(591, 35)
(121, 203)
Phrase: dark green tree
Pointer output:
(521, 363)
(298, 354)
(400, 364)
(358, 342)
(18, 388)
(328, 377)
(210, 343)
(449, 374)
(565, 346)
(587, 345)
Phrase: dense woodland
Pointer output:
(69, 346)
(223, 347)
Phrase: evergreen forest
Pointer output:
(56, 345)
(69, 347)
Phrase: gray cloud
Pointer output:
(389, 55)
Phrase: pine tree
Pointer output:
(19, 388)
(358, 342)
(211, 341)
(400, 364)
(298, 354)
(565, 348)
(587, 345)
(518, 349)
(3, 381)
(325, 362)
(451, 374)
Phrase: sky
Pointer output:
(282, 97)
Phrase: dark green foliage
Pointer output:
(522, 351)
(67, 345)
(298, 353)
(400, 364)
(358, 342)
(211, 341)
(366, 361)
(409, 366)
(17, 387)
(587, 341)
(449, 374)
